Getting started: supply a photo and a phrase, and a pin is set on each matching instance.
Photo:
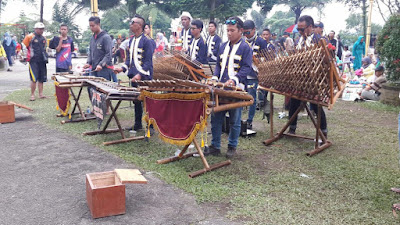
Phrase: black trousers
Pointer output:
(295, 104)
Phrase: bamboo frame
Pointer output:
(184, 155)
(317, 147)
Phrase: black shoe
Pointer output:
(231, 152)
(249, 125)
(291, 131)
(211, 150)
(137, 127)
(325, 134)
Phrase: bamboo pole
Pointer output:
(368, 38)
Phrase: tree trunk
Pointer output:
(212, 10)
(41, 10)
(297, 12)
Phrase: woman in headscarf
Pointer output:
(368, 67)
(160, 44)
(358, 52)
(9, 47)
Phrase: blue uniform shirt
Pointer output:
(186, 36)
(198, 50)
(213, 44)
(233, 62)
(257, 45)
(139, 58)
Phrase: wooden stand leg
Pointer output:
(119, 129)
(280, 134)
(206, 166)
(77, 102)
(271, 114)
(183, 155)
(318, 134)
(76, 105)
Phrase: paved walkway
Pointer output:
(43, 177)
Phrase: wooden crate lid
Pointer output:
(132, 176)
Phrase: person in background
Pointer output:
(319, 28)
(358, 52)
(371, 92)
(186, 33)
(257, 44)
(160, 45)
(213, 42)
(37, 58)
(198, 48)
(3, 55)
(147, 32)
(346, 58)
(9, 47)
(123, 48)
(64, 46)
(368, 67)
(289, 44)
(335, 42)
(116, 52)
(266, 35)
(114, 41)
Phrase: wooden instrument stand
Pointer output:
(182, 155)
(317, 124)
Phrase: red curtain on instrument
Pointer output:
(177, 117)
(62, 97)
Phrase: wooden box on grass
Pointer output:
(7, 113)
(105, 191)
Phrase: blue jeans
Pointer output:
(252, 85)
(217, 120)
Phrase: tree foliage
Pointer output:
(205, 9)
(64, 14)
(258, 19)
(115, 19)
(296, 6)
(388, 46)
(160, 21)
(354, 29)
(279, 22)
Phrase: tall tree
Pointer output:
(258, 19)
(65, 14)
(296, 6)
(115, 19)
(279, 22)
(160, 21)
(205, 9)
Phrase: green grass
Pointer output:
(349, 183)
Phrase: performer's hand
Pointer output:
(86, 66)
(118, 70)
(230, 82)
(98, 68)
(136, 77)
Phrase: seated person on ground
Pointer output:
(367, 67)
(371, 92)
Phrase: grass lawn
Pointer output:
(348, 183)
